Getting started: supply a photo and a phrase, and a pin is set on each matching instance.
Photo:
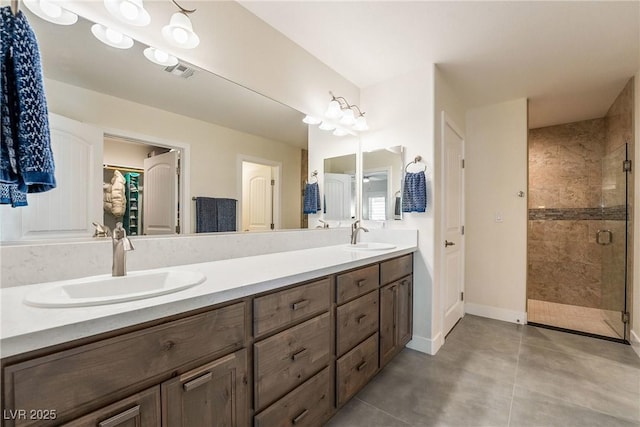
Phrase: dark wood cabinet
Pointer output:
(396, 317)
(213, 395)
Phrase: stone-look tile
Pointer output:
(357, 413)
(530, 409)
(619, 119)
(607, 387)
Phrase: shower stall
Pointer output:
(579, 236)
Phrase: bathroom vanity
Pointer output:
(280, 355)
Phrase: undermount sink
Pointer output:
(370, 246)
(105, 289)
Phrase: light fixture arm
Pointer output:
(182, 9)
(344, 104)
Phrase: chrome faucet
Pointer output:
(325, 224)
(354, 231)
(101, 230)
(121, 245)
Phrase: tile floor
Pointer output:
(492, 373)
(585, 319)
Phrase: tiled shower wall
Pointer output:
(565, 208)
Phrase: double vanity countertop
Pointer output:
(25, 328)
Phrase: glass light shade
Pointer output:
(361, 124)
(333, 110)
(340, 132)
(160, 57)
(348, 118)
(111, 37)
(50, 10)
(128, 11)
(326, 126)
(179, 32)
(366, 179)
(310, 120)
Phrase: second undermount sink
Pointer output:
(370, 246)
(105, 289)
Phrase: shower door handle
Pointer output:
(604, 237)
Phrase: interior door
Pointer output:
(160, 194)
(337, 196)
(453, 220)
(69, 209)
(257, 197)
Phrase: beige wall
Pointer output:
(496, 169)
(635, 315)
(215, 150)
(121, 153)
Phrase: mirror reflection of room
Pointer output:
(340, 188)
(382, 184)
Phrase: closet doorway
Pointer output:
(260, 195)
(141, 184)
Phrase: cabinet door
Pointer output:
(405, 311)
(140, 410)
(215, 394)
(387, 322)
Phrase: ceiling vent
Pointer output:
(180, 70)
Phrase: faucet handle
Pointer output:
(101, 230)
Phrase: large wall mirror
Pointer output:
(144, 110)
(382, 184)
(340, 188)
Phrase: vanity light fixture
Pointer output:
(111, 37)
(128, 11)
(160, 57)
(345, 118)
(51, 11)
(327, 126)
(340, 132)
(310, 120)
(179, 32)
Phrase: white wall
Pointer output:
(402, 114)
(496, 252)
(635, 311)
(214, 149)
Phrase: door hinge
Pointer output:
(626, 165)
(462, 230)
(461, 296)
(273, 182)
(273, 226)
(178, 170)
(462, 163)
(625, 317)
(177, 229)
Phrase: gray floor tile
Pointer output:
(531, 409)
(356, 413)
(604, 386)
(475, 326)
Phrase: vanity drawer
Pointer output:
(287, 359)
(71, 380)
(355, 283)
(355, 321)
(307, 405)
(356, 368)
(279, 309)
(396, 268)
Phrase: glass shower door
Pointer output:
(612, 236)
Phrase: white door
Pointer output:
(452, 223)
(160, 194)
(70, 208)
(337, 196)
(257, 197)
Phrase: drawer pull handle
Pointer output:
(119, 419)
(298, 354)
(361, 318)
(300, 416)
(361, 282)
(300, 304)
(362, 365)
(197, 382)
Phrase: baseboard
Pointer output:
(496, 313)
(635, 342)
(426, 345)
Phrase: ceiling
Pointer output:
(570, 59)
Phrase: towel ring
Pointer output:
(314, 174)
(417, 160)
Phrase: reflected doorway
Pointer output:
(260, 195)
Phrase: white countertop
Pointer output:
(25, 328)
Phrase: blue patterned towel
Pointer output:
(414, 192)
(311, 199)
(206, 215)
(226, 214)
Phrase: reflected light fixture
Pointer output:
(179, 32)
(50, 10)
(160, 57)
(128, 11)
(111, 37)
(345, 118)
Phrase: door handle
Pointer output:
(601, 239)
(448, 243)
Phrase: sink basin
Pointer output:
(370, 246)
(105, 289)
